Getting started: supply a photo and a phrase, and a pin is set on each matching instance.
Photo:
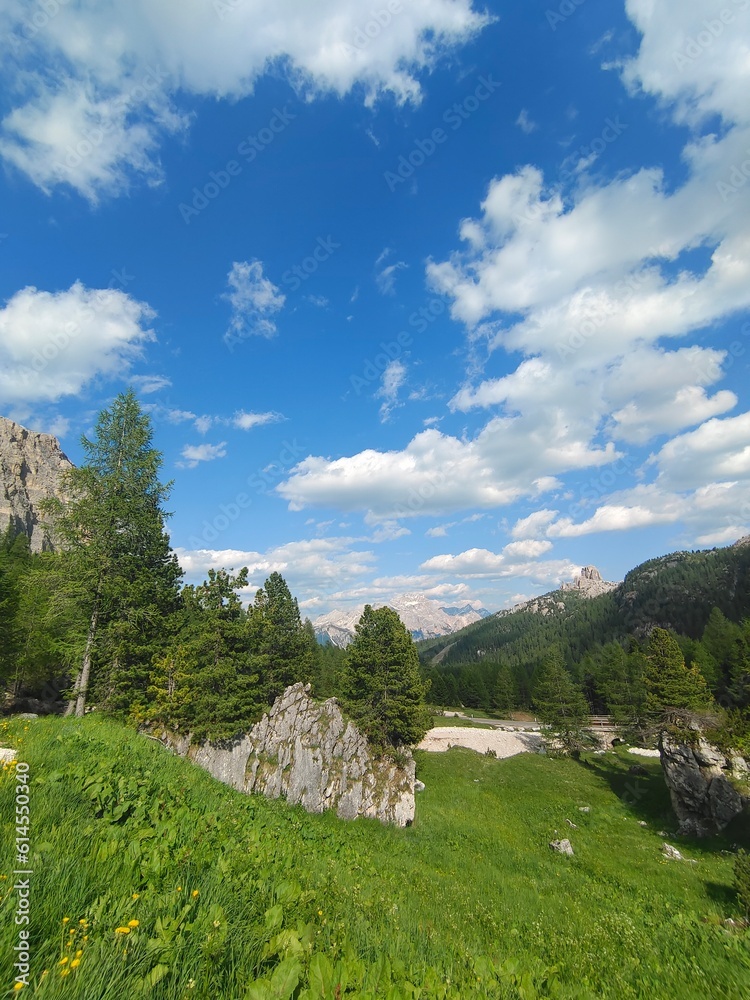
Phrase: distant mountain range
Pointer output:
(424, 618)
(675, 591)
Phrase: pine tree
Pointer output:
(288, 650)
(561, 706)
(671, 687)
(384, 692)
(124, 576)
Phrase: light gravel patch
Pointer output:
(642, 752)
(503, 743)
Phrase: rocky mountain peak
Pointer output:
(30, 467)
(589, 583)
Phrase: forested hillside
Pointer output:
(493, 664)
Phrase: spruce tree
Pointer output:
(561, 706)
(124, 576)
(384, 692)
(671, 687)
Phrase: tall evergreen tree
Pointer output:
(561, 706)
(287, 649)
(124, 576)
(671, 686)
(384, 692)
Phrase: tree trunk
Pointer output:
(82, 681)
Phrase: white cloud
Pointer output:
(97, 118)
(477, 563)
(196, 453)
(54, 344)
(717, 451)
(438, 474)
(150, 383)
(393, 377)
(534, 525)
(246, 421)
(525, 123)
(386, 279)
(529, 548)
(309, 564)
(254, 299)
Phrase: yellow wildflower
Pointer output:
(63, 960)
(19, 986)
(75, 963)
(122, 930)
(133, 923)
(79, 953)
(136, 895)
(66, 920)
(179, 888)
(195, 894)
(65, 972)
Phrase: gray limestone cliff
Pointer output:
(589, 583)
(707, 789)
(30, 469)
(308, 753)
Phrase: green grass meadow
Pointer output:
(150, 879)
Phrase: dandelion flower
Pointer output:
(83, 922)
(133, 923)
(66, 920)
(320, 913)
(122, 930)
(64, 972)
(136, 895)
(19, 986)
(79, 953)
(63, 961)
(179, 888)
(75, 963)
(195, 894)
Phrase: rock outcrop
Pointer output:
(30, 469)
(707, 789)
(589, 583)
(308, 753)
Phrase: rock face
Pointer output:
(309, 754)
(698, 777)
(30, 468)
(589, 583)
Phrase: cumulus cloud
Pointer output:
(96, 120)
(55, 344)
(478, 563)
(254, 300)
(194, 454)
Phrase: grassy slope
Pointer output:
(470, 901)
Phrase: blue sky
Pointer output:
(420, 295)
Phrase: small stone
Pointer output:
(562, 847)
(642, 822)
(418, 786)
(671, 852)
(571, 824)
(584, 809)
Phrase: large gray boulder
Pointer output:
(308, 753)
(707, 789)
